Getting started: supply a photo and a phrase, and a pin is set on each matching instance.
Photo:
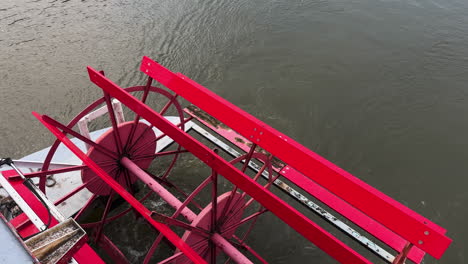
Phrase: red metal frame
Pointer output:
(68, 130)
(370, 225)
(390, 221)
(168, 233)
(21, 223)
(409, 225)
(86, 111)
(25, 227)
(284, 211)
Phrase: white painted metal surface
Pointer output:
(22, 204)
(83, 123)
(11, 249)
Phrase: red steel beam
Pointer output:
(25, 228)
(284, 211)
(345, 209)
(22, 223)
(395, 216)
(165, 230)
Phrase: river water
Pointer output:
(376, 86)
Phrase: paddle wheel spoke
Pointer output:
(214, 201)
(37, 174)
(248, 157)
(196, 246)
(158, 240)
(103, 218)
(152, 249)
(266, 165)
(74, 191)
(251, 200)
(172, 100)
(246, 219)
(252, 223)
(199, 245)
(98, 147)
(159, 154)
(171, 221)
(115, 129)
(212, 252)
(172, 258)
(266, 186)
(190, 197)
(116, 216)
(85, 206)
(137, 116)
(214, 213)
(112, 250)
(253, 252)
(143, 147)
(56, 171)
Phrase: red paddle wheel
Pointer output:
(209, 221)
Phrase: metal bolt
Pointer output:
(261, 133)
(255, 129)
(420, 242)
(426, 233)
